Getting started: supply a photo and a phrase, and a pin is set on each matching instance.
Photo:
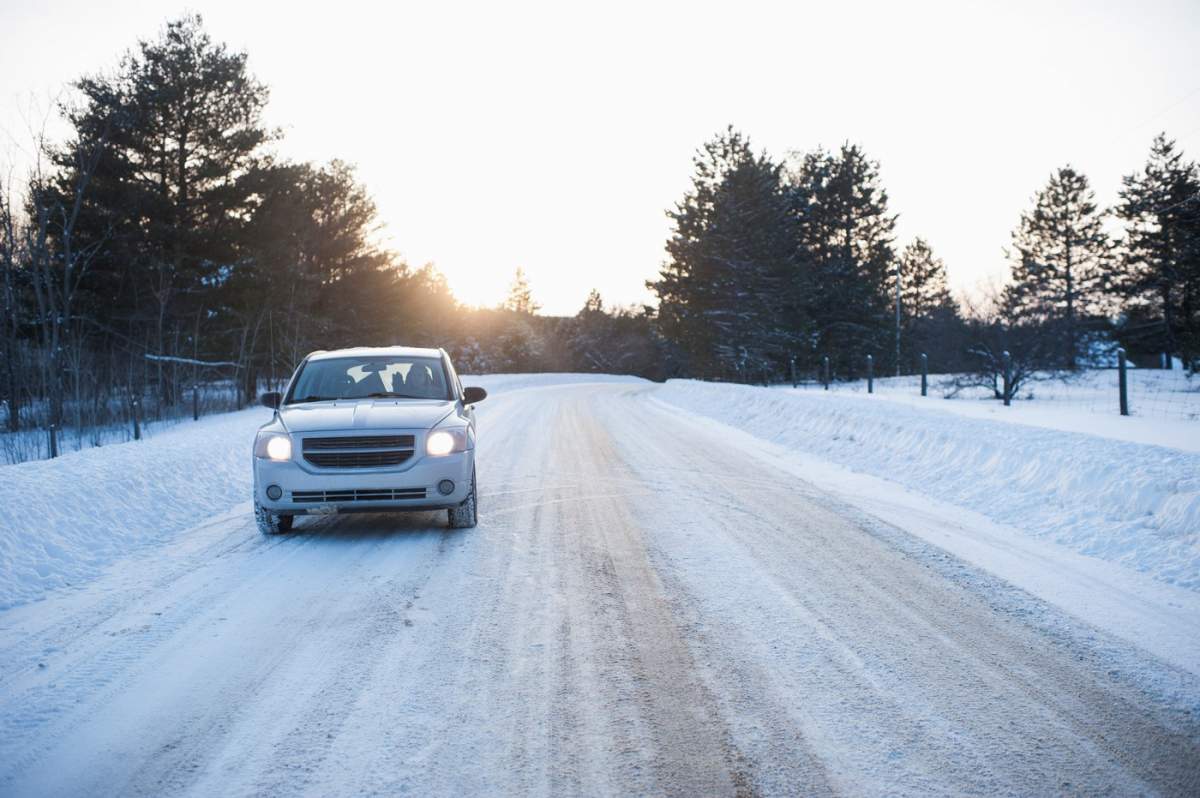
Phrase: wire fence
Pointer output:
(116, 419)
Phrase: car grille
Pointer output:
(357, 495)
(362, 451)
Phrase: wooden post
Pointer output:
(53, 440)
(924, 374)
(825, 371)
(195, 403)
(1122, 382)
(870, 374)
(792, 366)
(1006, 358)
(137, 427)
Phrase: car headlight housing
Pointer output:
(273, 446)
(445, 440)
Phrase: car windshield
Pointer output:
(379, 377)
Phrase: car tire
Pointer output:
(465, 515)
(270, 523)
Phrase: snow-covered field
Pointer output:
(1153, 394)
(674, 589)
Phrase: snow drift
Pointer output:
(63, 520)
(1126, 502)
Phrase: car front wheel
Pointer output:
(465, 515)
(270, 523)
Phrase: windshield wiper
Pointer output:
(313, 399)
(389, 395)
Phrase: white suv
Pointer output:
(368, 430)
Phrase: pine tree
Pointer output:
(592, 335)
(520, 296)
(926, 309)
(722, 292)
(1061, 256)
(923, 287)
(1160, 263)
(169, 200)
(305, 254)
(845, 250)
(594, 303)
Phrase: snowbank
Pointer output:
(63, 520)
(1130, 503)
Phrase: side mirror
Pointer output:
(271, 400)
(473, 395)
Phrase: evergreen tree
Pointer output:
(721, 293)
(1160, 264)
(183, 121)
(304, 257)
(520, 296)
(928, 314)
(1060, 253)
(592, 336)
(924, 291)
(844, 244)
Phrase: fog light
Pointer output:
(445, 487)
(274, 492)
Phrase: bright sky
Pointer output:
(500, 135)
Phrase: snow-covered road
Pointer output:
(644, 609)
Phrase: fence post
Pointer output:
(53, 440)
(924, 374)
(1006, 358)
(137, 427)
(792, 366)
(870, 374)
(195, 403)
(825, 371)
(1122, 382)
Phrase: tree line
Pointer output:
(166, 244)
(795, 260)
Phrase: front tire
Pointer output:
(270, 523)
(465, 515)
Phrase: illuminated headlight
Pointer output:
(273, 446)
(444, 441)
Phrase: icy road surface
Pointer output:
(644, 609)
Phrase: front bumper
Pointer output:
(295, 478)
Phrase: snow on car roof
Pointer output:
(377, 351)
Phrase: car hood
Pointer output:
(364, 414)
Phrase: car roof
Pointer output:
(376, 351)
